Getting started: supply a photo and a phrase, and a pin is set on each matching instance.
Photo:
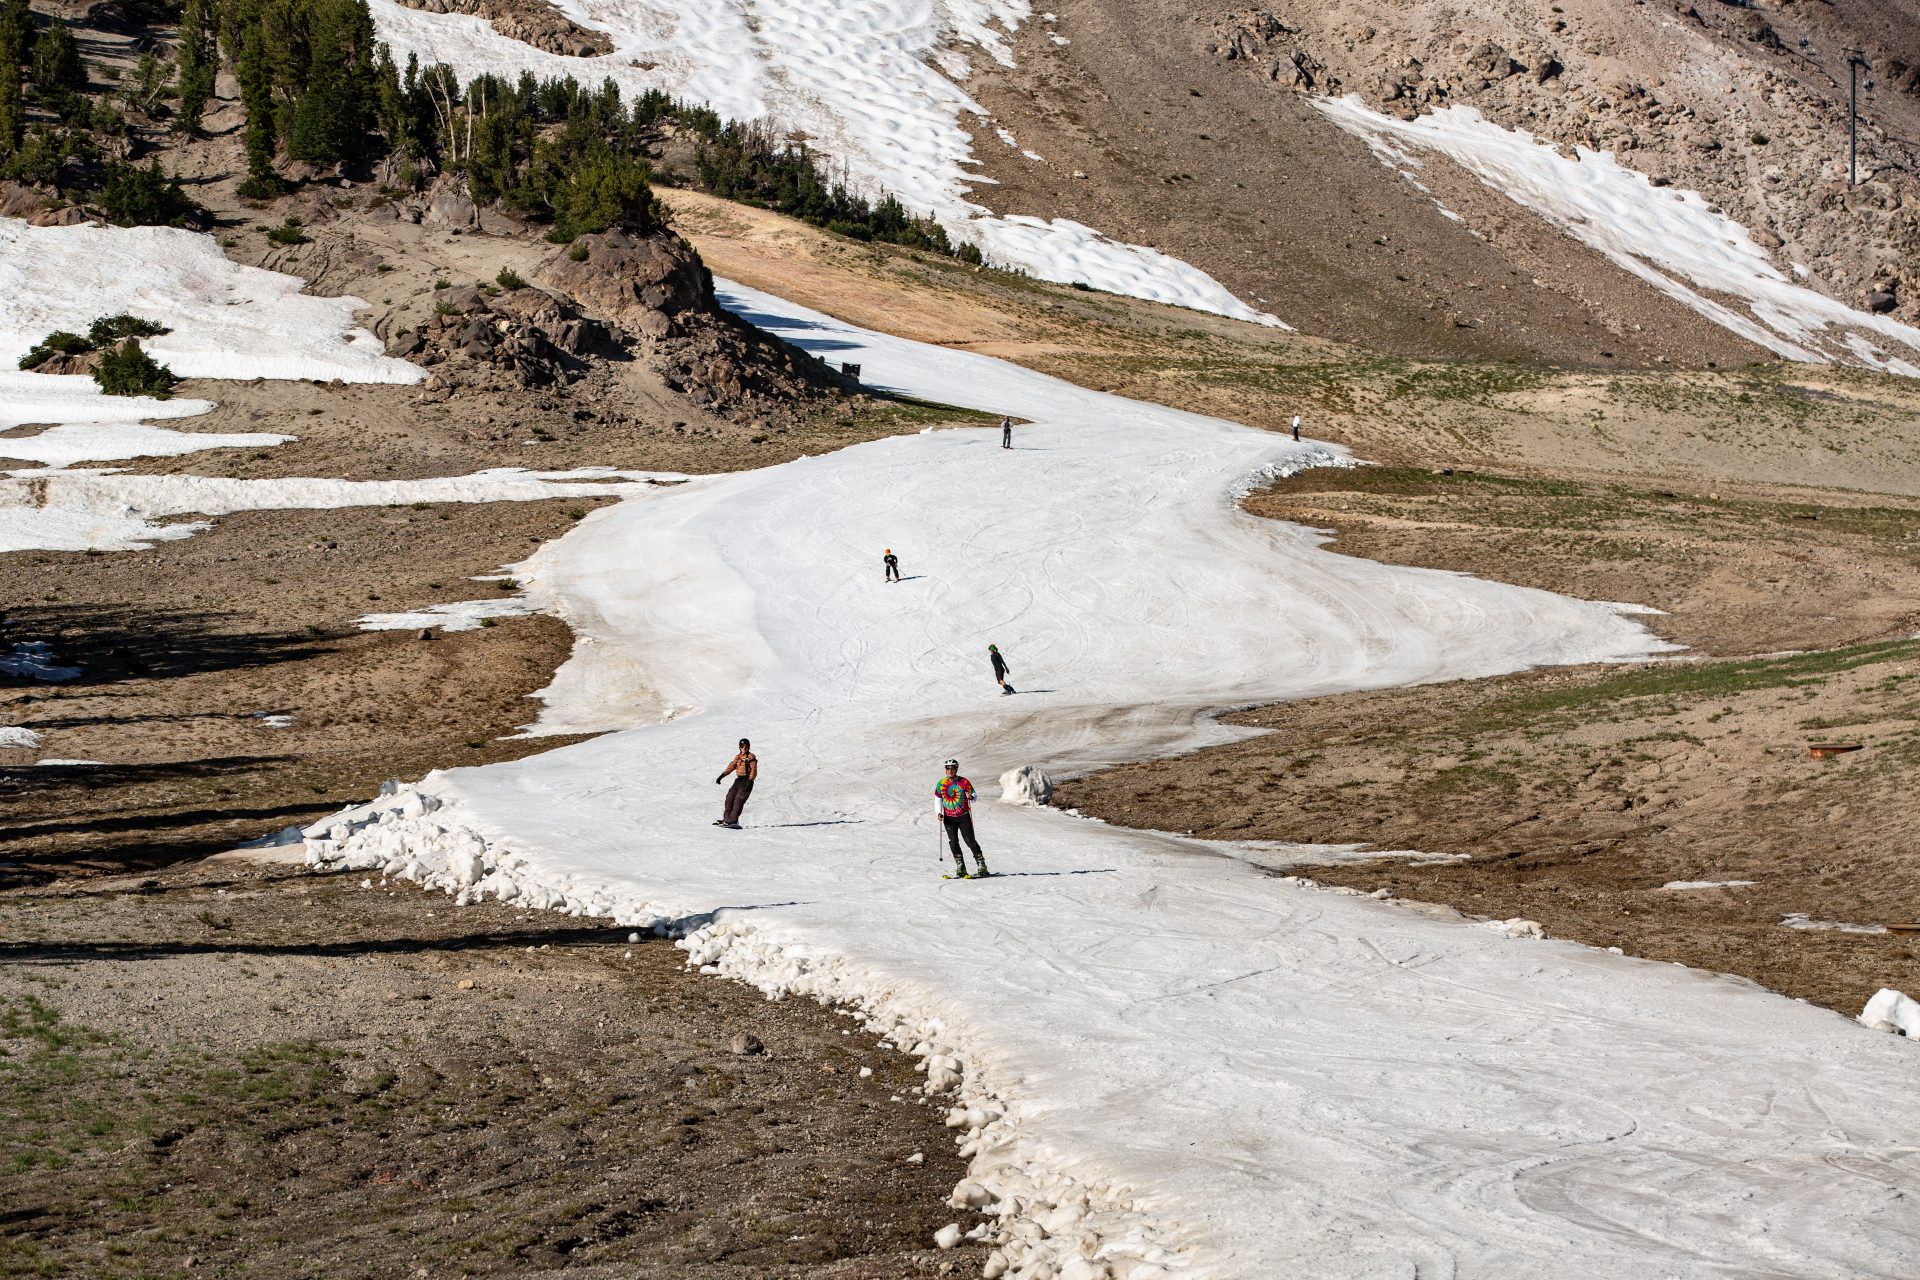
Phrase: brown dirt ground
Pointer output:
(234, 1069)
(184, 647)
(1575, 794)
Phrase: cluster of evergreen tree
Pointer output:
(319, 89)
(745, 162)
(40, 66)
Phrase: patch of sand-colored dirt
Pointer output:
(230, 1069)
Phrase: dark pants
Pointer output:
(893, 573)
(737, 798)
(1006, 437)
(958, 829)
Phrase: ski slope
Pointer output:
(870, 86)
(1167, 1062)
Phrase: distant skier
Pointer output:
(1000, 669)
(892, 562)
(1296, 426)
(1006, 433)
(955, 794)
(747, 765)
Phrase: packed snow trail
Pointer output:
(1172, 1061)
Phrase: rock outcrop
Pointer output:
(656, 292)
(511, 337)
(531, 22)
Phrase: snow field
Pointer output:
(867, 84)
(227, 321)
(73, 510)
(1670, 238)
(1163, 1061)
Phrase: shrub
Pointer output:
(137, 197)
(288, 232)
(108, 330)
(262, 186)
(128, 371)
(509, 279)
(57, 343)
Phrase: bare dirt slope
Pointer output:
(1180, 151)
(1187, 127)
(234, 1070)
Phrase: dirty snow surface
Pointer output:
(868, 85)
(1672, 239)
(1162, 1056)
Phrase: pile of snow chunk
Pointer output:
(1026, 785)
(1894, 1011)
(1047, 1222)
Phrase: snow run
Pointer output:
(1164, 1061)
(868, 86)
(1672, 239)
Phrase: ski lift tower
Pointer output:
(1856, 62)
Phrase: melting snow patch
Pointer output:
(14, 735)
(67, 764)
(1678, 885)
(1801, 920)
(274, 719)
(33, 660)
(461, 615)
(226, 320)
(1515, 928)
(1671, 239)
(109, 511)
(110, 441)
(1890, 1010)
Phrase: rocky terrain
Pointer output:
(531, 22)
(1745, 103)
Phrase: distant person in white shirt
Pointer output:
(1296, 426)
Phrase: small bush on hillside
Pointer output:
(262, 186)
(57, 343)
(108, 330)
(128, 371)
(136, 197)
(509, 279)
(288, 232)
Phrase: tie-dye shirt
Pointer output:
(956, 797)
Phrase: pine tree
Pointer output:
(57, 69)
(256, 95)
(199, 60)
(14, 24)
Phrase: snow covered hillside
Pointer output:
(1168, 1062)
(1671, 239)
(862, 83)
